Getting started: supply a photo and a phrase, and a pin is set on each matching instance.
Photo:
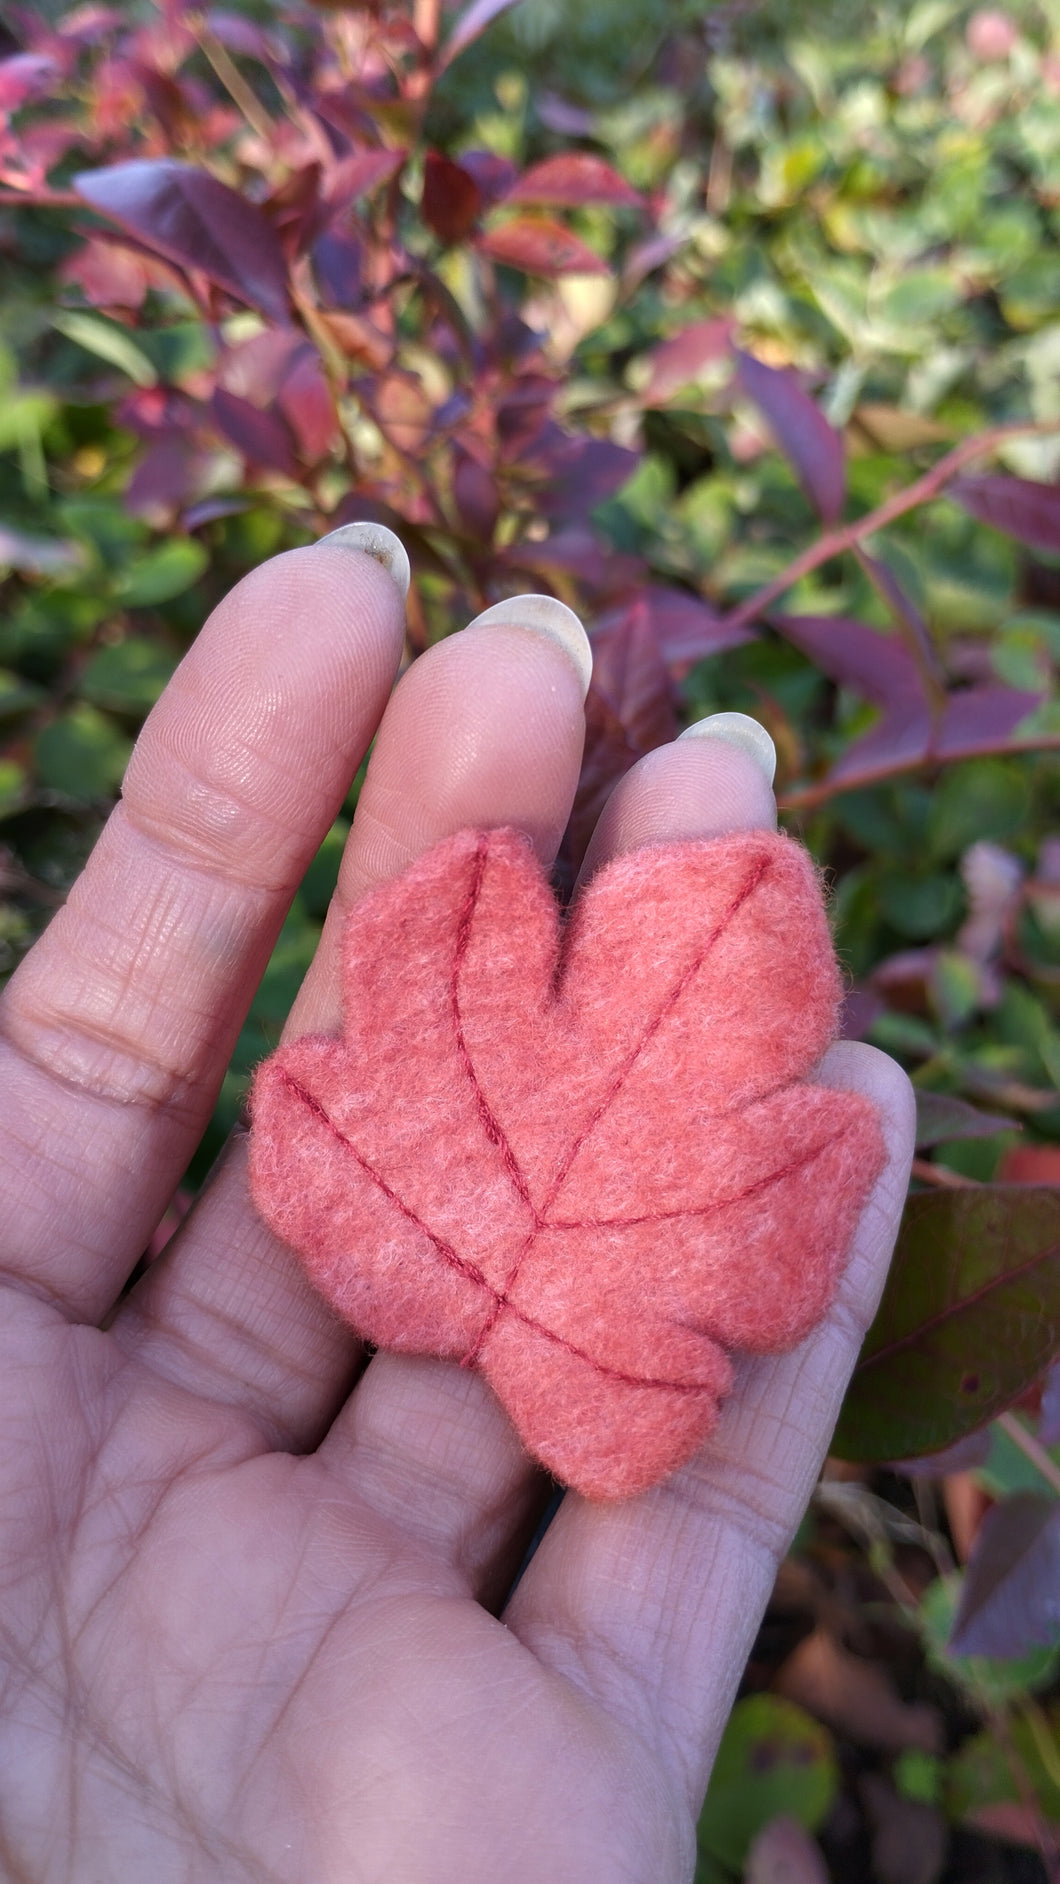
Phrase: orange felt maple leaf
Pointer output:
(579, 1157)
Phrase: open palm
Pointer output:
(254, 1619)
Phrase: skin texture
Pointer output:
(249, 1587)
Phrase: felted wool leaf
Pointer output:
(582, 1158)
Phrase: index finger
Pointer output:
(116, 1031)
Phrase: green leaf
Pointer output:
(920, 296)
(23, 416)
(918, 1775)
(987, 1682)
(127, 677)
(918, 906)
(985, 798)
(1007, 1468)
(980, 1773)
(82, 754)
(108, 342)
(162, 573)
(17, 695)
(13, 786)
(773, 1758)
(969, 1318)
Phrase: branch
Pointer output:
(848, 536)
(1031, 1448)
(808, 797)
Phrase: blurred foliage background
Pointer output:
(791, 264)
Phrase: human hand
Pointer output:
(249, 1627)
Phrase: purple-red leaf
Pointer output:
(629, 670)
(677, 361)
(875, 664)
(686, 630)
(471, 23)
(1018, 506)
(358, 174)
(812, 446)
(577, 551)
(941, 1115)
(477, 497)
(580, 472)
(1049, 1417)
(25, 75)
(451, 201)
(193, 219)
(571, 179)
(982, 719)
(264, 438)
(970, 1318)
(493, 174)
(1010, 1601)
(541, 247)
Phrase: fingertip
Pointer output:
(695, 788)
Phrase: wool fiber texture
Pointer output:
(582, 1156)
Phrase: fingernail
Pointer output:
(376, 541)
(739, 729)
(543, 615)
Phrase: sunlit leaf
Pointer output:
(108, 342)
(571, 179)
(541, 247)
(473, 21)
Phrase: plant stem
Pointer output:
(236, 85)
(942, 1176)
(1031, 1448)
(848, 536)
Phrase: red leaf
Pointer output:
(471, 23)
(479, 1168)
(25, 75)
(571, 179)
(677, 361)
(264, 438)
(540, 247)
(1030, 1164)
(1018, 506)
(306, 403)
(451, 201)
(107, 274)
(813, 447)
(629, 670)
(358, 175)
(192, 219)
(1010, 1602)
